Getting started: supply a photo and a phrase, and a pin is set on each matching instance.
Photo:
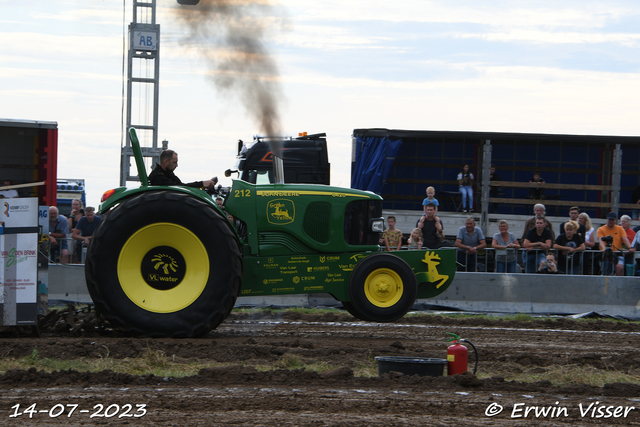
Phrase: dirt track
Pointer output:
(241, 395)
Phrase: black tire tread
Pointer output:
(113, 223)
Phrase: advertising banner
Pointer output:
(18, 279)
(19, 215)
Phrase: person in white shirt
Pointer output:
(8, 194)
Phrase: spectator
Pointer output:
(506, 246)
(625, 223)
(470, 239)
(570, 246)
(574, 213)
(635, 199)
(431, 193)
(220, 202)
(415, 240)
(539, 210)
(58, 230)
(392, 237)
(591, 258)
(77, 212)
(432, 229)
(620, 241)
(465, 182)
(85, 228)
(589, 237)
(636, 244)
(163, 172)
(549, 265)
(8, 194)
(234, 222)
(537, 242)
(494, 191)
(537, 192)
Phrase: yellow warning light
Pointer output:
(302, 134)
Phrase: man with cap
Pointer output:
(620, 241)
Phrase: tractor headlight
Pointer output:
(377, 225)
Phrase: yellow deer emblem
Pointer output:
(433, 260)
(281, 214)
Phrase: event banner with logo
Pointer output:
(19, 215)
(19, 261)
(18, 279)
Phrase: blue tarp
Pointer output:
(374, 157)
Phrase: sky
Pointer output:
(569, 67)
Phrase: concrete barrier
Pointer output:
(67, 284)
(541, 294)
(478, 292)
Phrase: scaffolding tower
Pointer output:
(143, 78)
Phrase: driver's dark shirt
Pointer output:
(160, 176)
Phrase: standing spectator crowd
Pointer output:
(578, 248)
(69, 236)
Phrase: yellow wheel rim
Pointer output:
(163, 268)
(383, 287)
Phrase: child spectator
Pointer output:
(392, 237)
(415, 240)
(431, 193)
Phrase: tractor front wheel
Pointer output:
(382, 288)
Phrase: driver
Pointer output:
(619, 239)
(163, 172)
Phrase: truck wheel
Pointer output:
(382, 288)
(164, 264)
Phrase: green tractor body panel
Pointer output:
(299, 242)
(329, 273)
(286, 219)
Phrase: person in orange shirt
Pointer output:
(619, 242)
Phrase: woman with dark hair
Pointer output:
(465, 181)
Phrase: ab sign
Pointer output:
(145, 40)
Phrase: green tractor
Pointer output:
(168, 262)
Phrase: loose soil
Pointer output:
(239, 394)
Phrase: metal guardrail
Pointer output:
(77, 251)
(487, 260)
(588, 262)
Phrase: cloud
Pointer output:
(624, 39)
(505, 13)
(61, 48)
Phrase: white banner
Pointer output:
(18, 276)
(20, 212)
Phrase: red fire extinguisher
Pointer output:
(457, 356)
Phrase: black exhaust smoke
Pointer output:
(230, 36)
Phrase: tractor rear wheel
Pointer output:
(382, 288)
(164, 264)
(348, 305)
